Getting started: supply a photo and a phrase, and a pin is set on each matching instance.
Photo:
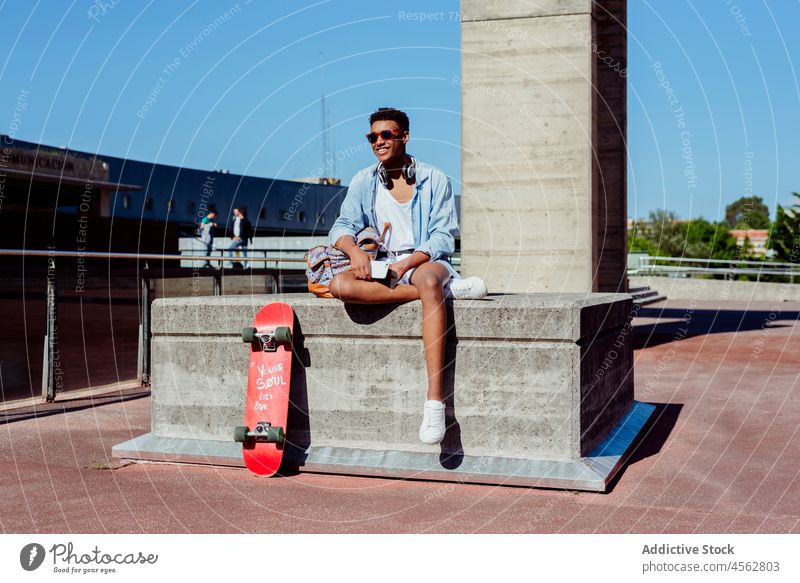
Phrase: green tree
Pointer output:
(667, 236)
(636, 242)
(785, 236)
(665, 233)
(638, 238)
(749, 212)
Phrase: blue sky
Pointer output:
(732, 66)
(159, 81)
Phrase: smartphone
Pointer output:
(381, 272)
(380, 269)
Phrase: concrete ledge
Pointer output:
(542, 379)
(156, 448)
(687, 288)
(592, 473)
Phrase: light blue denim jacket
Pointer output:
(433, 211)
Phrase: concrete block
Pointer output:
(696, 289)
(528, 377)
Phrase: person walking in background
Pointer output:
(207, 226)
(242, 234)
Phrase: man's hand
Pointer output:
(409, 262)
(360, 264)
(359, 260)
(401, 267)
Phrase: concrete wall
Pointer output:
(684, 288)
(543, 127)
(204, 286)
(523, 372)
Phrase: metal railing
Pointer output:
(271, 266)
(655, 265)
(137, 256)
(146, 274)
(273, 255)
(279, 255)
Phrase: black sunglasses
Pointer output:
(385, 134)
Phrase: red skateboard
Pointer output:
(267, 400)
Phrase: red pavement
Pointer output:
(722, 456)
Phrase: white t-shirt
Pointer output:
(400, 235)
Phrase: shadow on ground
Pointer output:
(70, 405)
(688, 324)
(651, 439)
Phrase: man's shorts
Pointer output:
(406, 279)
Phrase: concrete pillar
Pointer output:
(543, 88)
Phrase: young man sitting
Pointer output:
(416, 199)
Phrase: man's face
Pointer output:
(236, 213)
(388, 149)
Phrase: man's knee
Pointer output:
(428, 284)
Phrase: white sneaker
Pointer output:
(432, 428)
(466, 288)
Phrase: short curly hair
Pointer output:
(390, 114)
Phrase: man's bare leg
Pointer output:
(349, 289)
(429, 279)
(427, 284)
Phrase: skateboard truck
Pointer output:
(262, 432)
(268, 340)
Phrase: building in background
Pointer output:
(757, 238)
(80, 201)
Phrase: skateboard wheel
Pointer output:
(240, 433)
(283, 335)
(248, 334)
(275, 435)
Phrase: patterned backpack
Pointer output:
(325, 261)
